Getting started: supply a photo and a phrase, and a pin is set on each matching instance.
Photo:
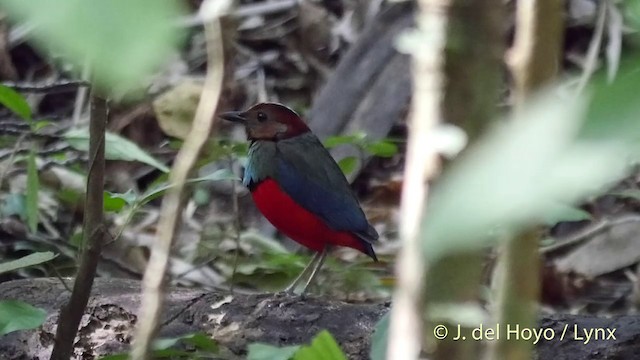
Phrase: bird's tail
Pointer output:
(367, 238)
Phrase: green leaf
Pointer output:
(614, 109)
(15, 102)
(512, 176)
(41, 124)
(17, 315)
(26, 261)
(382, 148)
(259, 351)
(348, 164)
(157, 191)
(33, 187)
(114, 202)
(116, 357)
(563, 212)
(116, 148)
(199, 340)
(123, 42)
(627, 193)
(333, 141)
(379, 339)
(323, 347)
(14, 204)
(202, 342)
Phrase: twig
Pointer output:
(248, 10)
(406, 327)
(594, 48)
(588, 233)
(93, 230)
(11, 156)
(58, 86)
(236, 225)
(153, 282)
(81, 95)
(534, 63)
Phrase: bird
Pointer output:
(299, 188)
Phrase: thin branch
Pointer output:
(406, 327)
(93, 230)
(172, 204)
(534, 63)
(236, 225)
(58, 86)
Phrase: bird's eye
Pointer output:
(262, 116)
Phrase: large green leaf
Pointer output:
(513, 176)
(259, 351)
(26, 261)
(323, 347)
(17, 315)
(116, 148)
(15, 102)
(159, 189)
(379, 339)
(123, 41)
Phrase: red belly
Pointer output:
(296, 222)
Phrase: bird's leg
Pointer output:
(290, 289)
(316, 268)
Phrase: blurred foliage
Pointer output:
(186, 347)
(17, 315)
(323, 347)
(26, 261)
(122, 42)
(380, 148)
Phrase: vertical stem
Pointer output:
(93, 235)
(406, 327)
(534, 62)
(154, 277)
(472, 68)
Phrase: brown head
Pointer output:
(268, 121)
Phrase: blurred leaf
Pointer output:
(115, 357)
(323, 347)
(124, 42)
(259, 351)
(240, 149)
(333, 141)
(465, 314)
(382, 148)
(14, 204)
(202, 342)
(562, 212)
(512, 176)
(379, 338)
(41, 124)
(17, 315)
(117, 148)
(219, 175)
(33, 187)
(165, 343)
(614, 109)
(176, 108)
(15, 102)
(627, 193)
(348, 164)
(114, 202)
(26, 261)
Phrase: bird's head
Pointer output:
(268, 121)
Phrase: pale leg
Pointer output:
(316, 268)
(296, 282)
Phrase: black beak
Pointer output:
(235, 116)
